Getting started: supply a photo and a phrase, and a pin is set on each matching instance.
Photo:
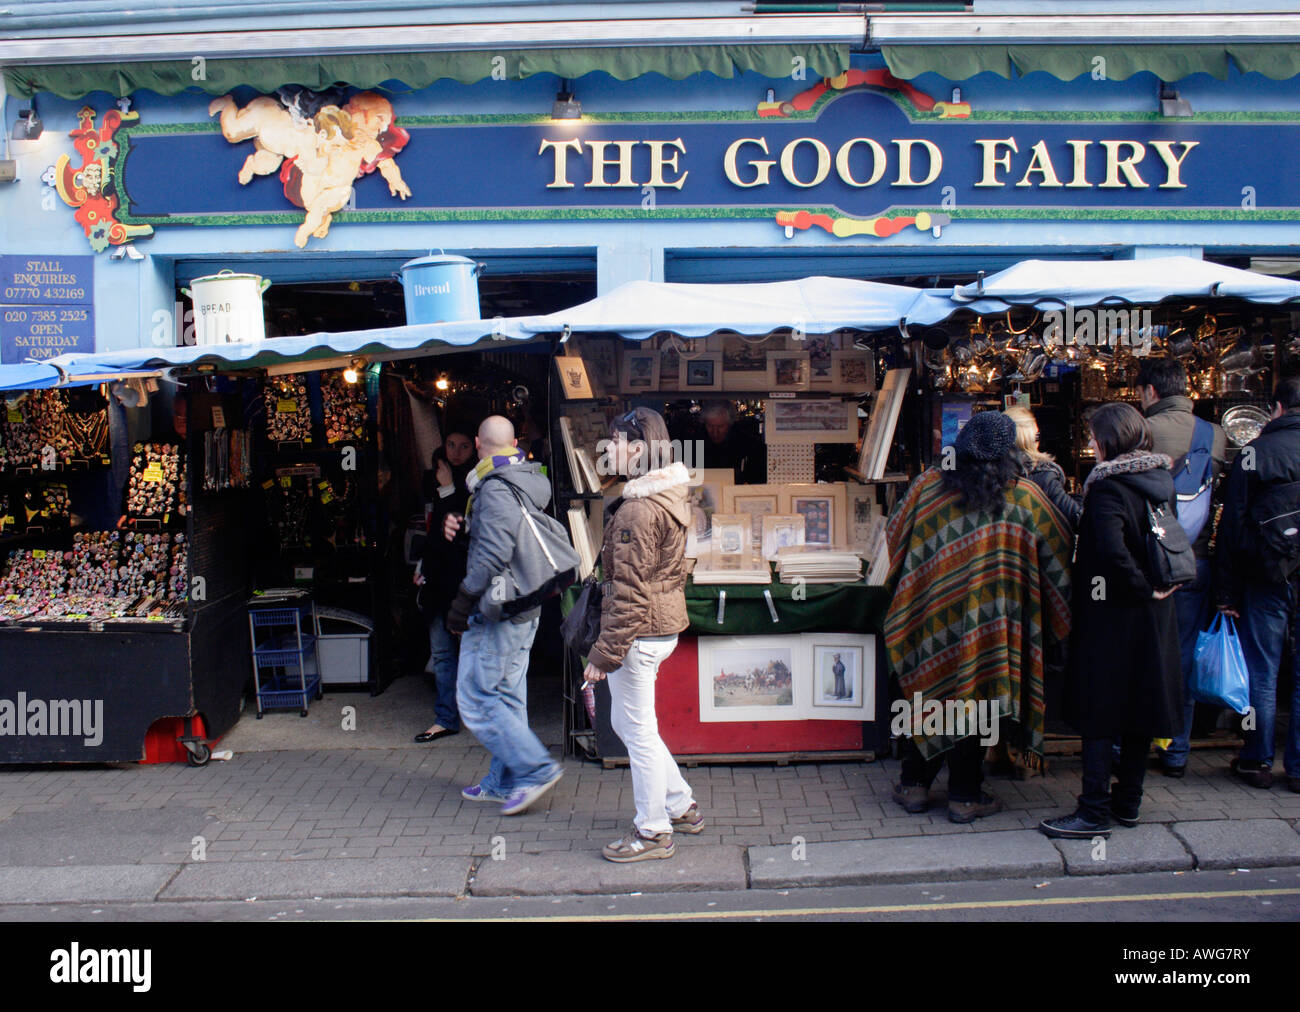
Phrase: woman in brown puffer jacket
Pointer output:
(643, 609)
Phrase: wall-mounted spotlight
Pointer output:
(442, 383)
(28, 126)
(566, 104)
(353, 372)
(1172, 104)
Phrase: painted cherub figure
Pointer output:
(319, 159)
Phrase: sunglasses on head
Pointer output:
(628, 423)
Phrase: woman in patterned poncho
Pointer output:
(979, 573)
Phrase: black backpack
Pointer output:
(1275, 522)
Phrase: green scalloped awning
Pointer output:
(1169, 62)
(418, 70)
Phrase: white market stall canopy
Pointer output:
(1054, 284)
(641, 309)
(636, 310)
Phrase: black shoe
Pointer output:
(424, 736)
(1126, 819)
(1255, 775)
(1173, 771)
(1073, 827)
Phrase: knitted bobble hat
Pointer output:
(987, 436)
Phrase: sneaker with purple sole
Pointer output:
(521, 798)
(476, 792)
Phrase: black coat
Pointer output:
(1125, 671)
(1048, 476)
(444, 562)
(1276, 459)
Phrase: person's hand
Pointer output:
(451, 526)
(591, 673)
(1160, 595)
(1229, 610)
(444, 474)
(462, 606)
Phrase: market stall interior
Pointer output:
(292, 478)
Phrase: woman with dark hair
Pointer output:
(441, 569)
(979, 578)
(1124, 685)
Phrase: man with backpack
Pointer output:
(1197, 449)
(1257, 578)
(496, 625)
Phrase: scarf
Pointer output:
(1133, 462)
(496, 460)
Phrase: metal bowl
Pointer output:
(1243, 422)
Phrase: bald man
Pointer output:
(492, 687)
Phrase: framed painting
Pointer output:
(810, 421)
(823, 508)
(747, 678)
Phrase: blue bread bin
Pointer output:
(440, 287)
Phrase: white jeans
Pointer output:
(657, 785)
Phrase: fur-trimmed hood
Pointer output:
(1146, 472)
(665, 486)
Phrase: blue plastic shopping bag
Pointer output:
(1219, 673)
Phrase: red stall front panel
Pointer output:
(677, 703)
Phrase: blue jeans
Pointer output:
(1267, 623)
(1192, 605)
(443, 654)
(492, 692)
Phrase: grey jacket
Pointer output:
(1172, 422)
(496, 527)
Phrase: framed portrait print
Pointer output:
(781, 530)
(864, 518)
(853, 372)
(670, 366)
(701, 372)
(573, 377)
(788, 370)
(842, 674)
(704, 497)
(640, 371)
(755, 502)
(823, 508)
(746, 678)
(731, 534)
(810, 421)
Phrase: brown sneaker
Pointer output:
(1261, 777)
(690, 821)
(914, 799)
(635, 847)
(969, 811)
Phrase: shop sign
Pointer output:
(859, 155)
(46, 306)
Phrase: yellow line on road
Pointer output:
(898, 908)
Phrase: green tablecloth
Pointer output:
(827, 607)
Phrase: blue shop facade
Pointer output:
(563, 188)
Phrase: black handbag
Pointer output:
(581, 627)
(1170, 559)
